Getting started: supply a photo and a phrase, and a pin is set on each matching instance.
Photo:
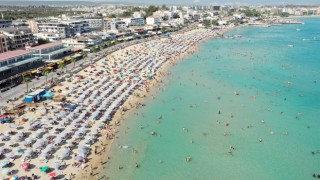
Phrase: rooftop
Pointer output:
(10, 54)
(46, 46)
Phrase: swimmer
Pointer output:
(271, 132)
(188, 158)
(262, 121)
(191, 141)
(260, 140)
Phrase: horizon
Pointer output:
(190, 2)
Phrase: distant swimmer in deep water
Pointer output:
(188, 159)
(160, 117)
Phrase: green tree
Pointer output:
(112, 16)
(84, 54)
(164, 7)
(43, 41)
(109, 43)
(284, 14)
(93, 49)
(214, 22)
(252, 13)
(73, 60)
(26, 80)
(126, 14)
(136, 9)
(101, 46)
(46, 72)
(150, 10)
(61, 65)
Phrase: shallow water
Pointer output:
(276, 83)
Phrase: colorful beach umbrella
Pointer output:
(44, 169)
(5, 171)
(3, 163)
(53, 174)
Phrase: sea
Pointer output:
(245, 106)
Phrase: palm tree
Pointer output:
(84, 54)
(61, 65)
(109, 43)
(93, 49)
(46, 72)
(26, 80)
(73, 60)
(101, 46)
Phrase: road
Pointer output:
(20, 90)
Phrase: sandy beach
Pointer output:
(71, 139)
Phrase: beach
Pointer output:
(242, 107)
(71, 139)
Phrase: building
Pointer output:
(82, 42)
(18, 37)
(66, 29)
(13, 63)
(153, 20)
(3, 43)
(114, 24)
(5, 23)
(50, 52)
(216, 8)
(96, 24)
(49, 36)
(134, 21)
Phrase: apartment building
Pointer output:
(18, 37)
(66, 29)
(5, 23)
(3, 43)
(96, 24)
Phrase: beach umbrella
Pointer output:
(29, 151)
(11, 155)
(5, 171)
(69, 144)
(18, 149)
(58, 140)
(44, 169)
(14, 177)
(2, 149)
(25, 165)
(9, 143)
(87, 141)
(57, 164)
(46, 136)
(79, 158)
(3, 163)
(7, 133)
(3, 137)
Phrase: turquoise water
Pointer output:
(275, 83)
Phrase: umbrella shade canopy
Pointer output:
(44, 169)
(25, 165)
(79, 158)
(9, 143)
(2, 149)
(53, 174)
(14, 177)
(5, 171)
(4, 163)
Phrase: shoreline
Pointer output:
(157, 82)
(72, 88)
